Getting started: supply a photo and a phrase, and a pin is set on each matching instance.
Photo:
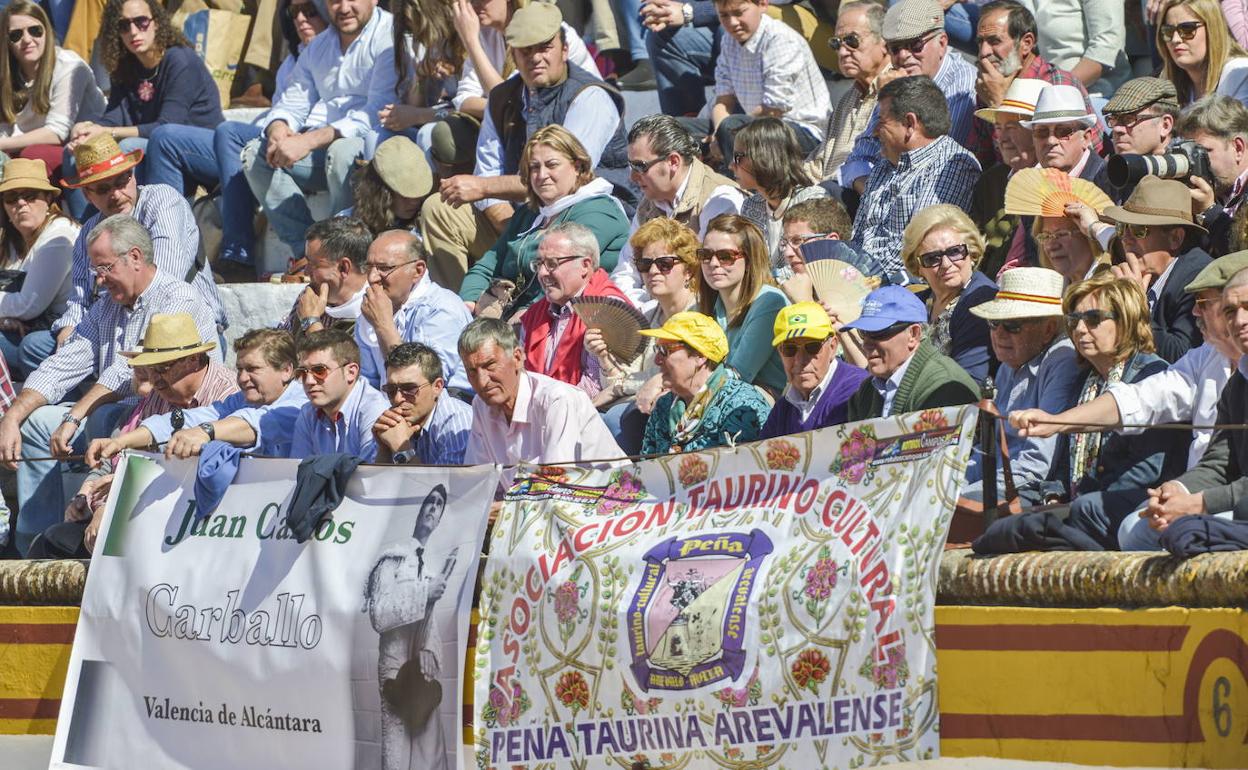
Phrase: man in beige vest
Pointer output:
(664, 164)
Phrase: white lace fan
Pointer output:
(840, 286)
(618, 321)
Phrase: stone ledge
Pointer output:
(1104, 579)
(42, 582)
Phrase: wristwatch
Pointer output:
(77, 421)
(686, 11)
(306, 323)
(206, 427)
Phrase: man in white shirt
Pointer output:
(318, 125)
(520, 416)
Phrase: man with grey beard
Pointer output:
(1006, 39)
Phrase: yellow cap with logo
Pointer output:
(805, 320)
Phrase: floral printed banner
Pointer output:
(769, 605)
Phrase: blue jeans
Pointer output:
(282, 191)
(962, 24)
(627, 425)
(422, 136)
(629, 13)
(41, 498)
(684, 65)
(11, 349)
(35, 347)
(74, 199)
(186, 156)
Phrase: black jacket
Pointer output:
(1174, 326)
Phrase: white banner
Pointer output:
(223, 642)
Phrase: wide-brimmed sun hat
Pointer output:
(169, 336)
(99, 158)
(1025, 292)
(1155, 201)
(26, 174)
(1020, 99)
(1060, 104)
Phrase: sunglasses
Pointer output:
(1045, 239)
(1009, 327)
(1061, 131)
(160, 370)
(1090, 318)
(1187, 30)
(642, 166)
(665, 350)
(726, 257)
(1138, 232)
(140, 22)
(885, 334)
(319, 372)
(307, 9)
(954, 254)
(665, 264)
(14, 197)
(35, 31)
(850, 41)
(108, 185)
(811, 349)
(914, 45)
(1128, 120)
(408, 389)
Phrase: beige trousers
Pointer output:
(455, 237)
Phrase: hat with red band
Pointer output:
(100, 157)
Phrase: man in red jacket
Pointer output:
(554, 336)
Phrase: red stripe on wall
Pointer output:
(29, 708)
(1065, 637)
(37, 633)
(1066, 727)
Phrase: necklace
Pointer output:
(146, 90)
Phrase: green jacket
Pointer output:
(931, 380)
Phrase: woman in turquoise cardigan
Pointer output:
(558, 175)
(737, 290)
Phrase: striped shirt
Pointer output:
(109, 328)
(444, 436)
(175, 244)
(351, 430)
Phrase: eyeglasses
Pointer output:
(34, 30)
(914, 45)
(797, 241)
(13, 197)
(142, 22)
(103, 270)
(1091, 318)
(1061, 131)
(954, 254)
(408, 389)
(385, 270)
(726, 257)
(665, 350)
(160, 370)
(1010, 327)
(811, 349)
(642, 166)
(1045, 239)
(319, 372)
(850, 41)
(307, 9)
(108, 185)
(665, 264)
(1128, 120)
(1187, 30)
(551, 263)
(884, 335)
(1138, 232)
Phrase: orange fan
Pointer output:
(1045, 192)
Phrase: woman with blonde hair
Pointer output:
(1198, 52)
(737, 291)
(559, 180)
(943, 247)
(46, 88)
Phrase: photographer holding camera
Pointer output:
(1217, 127)
(1141, 118)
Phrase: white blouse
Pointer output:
(46, 264)
(74, 97)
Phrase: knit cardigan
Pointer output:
(931, 380)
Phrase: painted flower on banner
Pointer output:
(811, 669)
(502, 711)
(782, 455)
(890, 674)
(623, 491)
(818, 583)
(553, 473)
(749, 695)
(693, 470)
(853, 464)
(931, 419)
(567, 601)
(634, 705)
(572, 691)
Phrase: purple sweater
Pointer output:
(785, 419)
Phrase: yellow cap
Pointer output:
(806, 320)
(700, 332)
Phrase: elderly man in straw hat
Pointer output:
(1063, 130)
(1037, 370)
(123, 262)
(173, 360)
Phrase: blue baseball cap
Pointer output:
(889, 305)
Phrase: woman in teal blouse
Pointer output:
(557, 173)
(738, 292)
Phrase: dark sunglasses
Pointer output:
(811, 349)
(108, 185)
(1009, 327)
(1061, 131)
(319, 372)
(13, 197)
(665, 350)
(307, 9)
(35, 30)
(954, 254)
(885, 334)
(850, 41)
(665, 264)
(1128, 121)
(726, 257)
(408, 389)
(1138, 232)
(142, 22)
(1090, 318)
(1187, 30)
(642, 166)
(914, 45)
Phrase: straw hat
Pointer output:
(1155, 201)
(1061, 104)
(26, 174)
(1025, 292)
(99, 158)
(1044, 192)
(1020, 99)
(169, 336)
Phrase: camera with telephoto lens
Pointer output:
(1184, 158)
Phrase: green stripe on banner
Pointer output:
(138, 473)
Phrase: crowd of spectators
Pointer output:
(1013, 206)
